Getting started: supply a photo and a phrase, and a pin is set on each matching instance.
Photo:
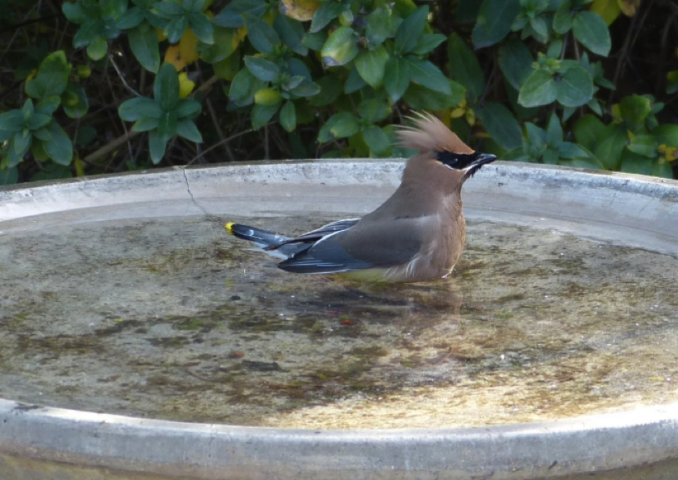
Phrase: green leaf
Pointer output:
(371, 66)
(645, 145)
(424, 73)
(43, 134)
(145, 124)
(132, 18)
(133, 109)
(291, 32)
(515, 61)
(87, 33)
(611, 146)
(166, 87)
(12, 121)
(288, 117)
(465, 68)
(75, 101)
(340, 47)
(262, 114)
(305, 89)
(169, 9)
(74, 13)
(574, 88)
(535, 135)
(555, 48)
(591, 30)
(59, 148)
(562, 20)
(97, 49)
(396, 77)
(186, 128)
(376, 140)
(632, 162)
(48, 105)
(589, 131)
(354, 82)
(421, 98)
(378, 26)
(225, 43)
(315, 41)
(261, 35)
(9, 176)
(262, 69)
(410, 31)
(500, 124)
(52, 77)
(667, 134)
(374, 110)
(340, 125)
(661, 168)
(38, 120)
(554, 131)
(325, 14)
(296, 67)
(167, 125)
(538, 89)
(330, 89)
(143, 41)
(540, 27)
(494, 21)
(22, 140)
(427, 43)
(175, 29)
(232, 15)
(188, 108)
(202, 27)
(243, 87)
(635, 110)
(157, 145)
(569, 150)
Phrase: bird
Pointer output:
(416, 235)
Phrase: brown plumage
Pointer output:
(416, 235)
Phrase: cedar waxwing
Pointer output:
(416, 235)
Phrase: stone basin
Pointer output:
(138, 340)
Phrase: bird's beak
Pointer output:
(483, 159)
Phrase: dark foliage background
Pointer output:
(101, 86)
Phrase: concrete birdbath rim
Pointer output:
(644, 209)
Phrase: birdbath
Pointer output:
(139, 340)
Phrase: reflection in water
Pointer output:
(171, 318)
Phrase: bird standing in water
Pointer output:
(416, 235)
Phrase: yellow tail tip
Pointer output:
(229, 227)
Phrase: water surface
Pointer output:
(171, 318)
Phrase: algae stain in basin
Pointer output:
(169, 318)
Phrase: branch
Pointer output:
(109, 147)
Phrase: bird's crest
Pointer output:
(430, 134)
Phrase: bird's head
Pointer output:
(437, 142)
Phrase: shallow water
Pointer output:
(172, 318)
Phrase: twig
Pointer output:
(220, 131)
(109, 147)
(267, 153)
(207, 85)
(240, 134)
(122, 77)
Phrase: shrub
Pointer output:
(544, 81)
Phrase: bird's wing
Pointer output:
(315, 235)
(376, 244)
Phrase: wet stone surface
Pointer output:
(173, 319)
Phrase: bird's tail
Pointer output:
(262, 238)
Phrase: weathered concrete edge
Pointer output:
(553, 449)
(193, 184)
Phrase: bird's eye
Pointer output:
(448, 159)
